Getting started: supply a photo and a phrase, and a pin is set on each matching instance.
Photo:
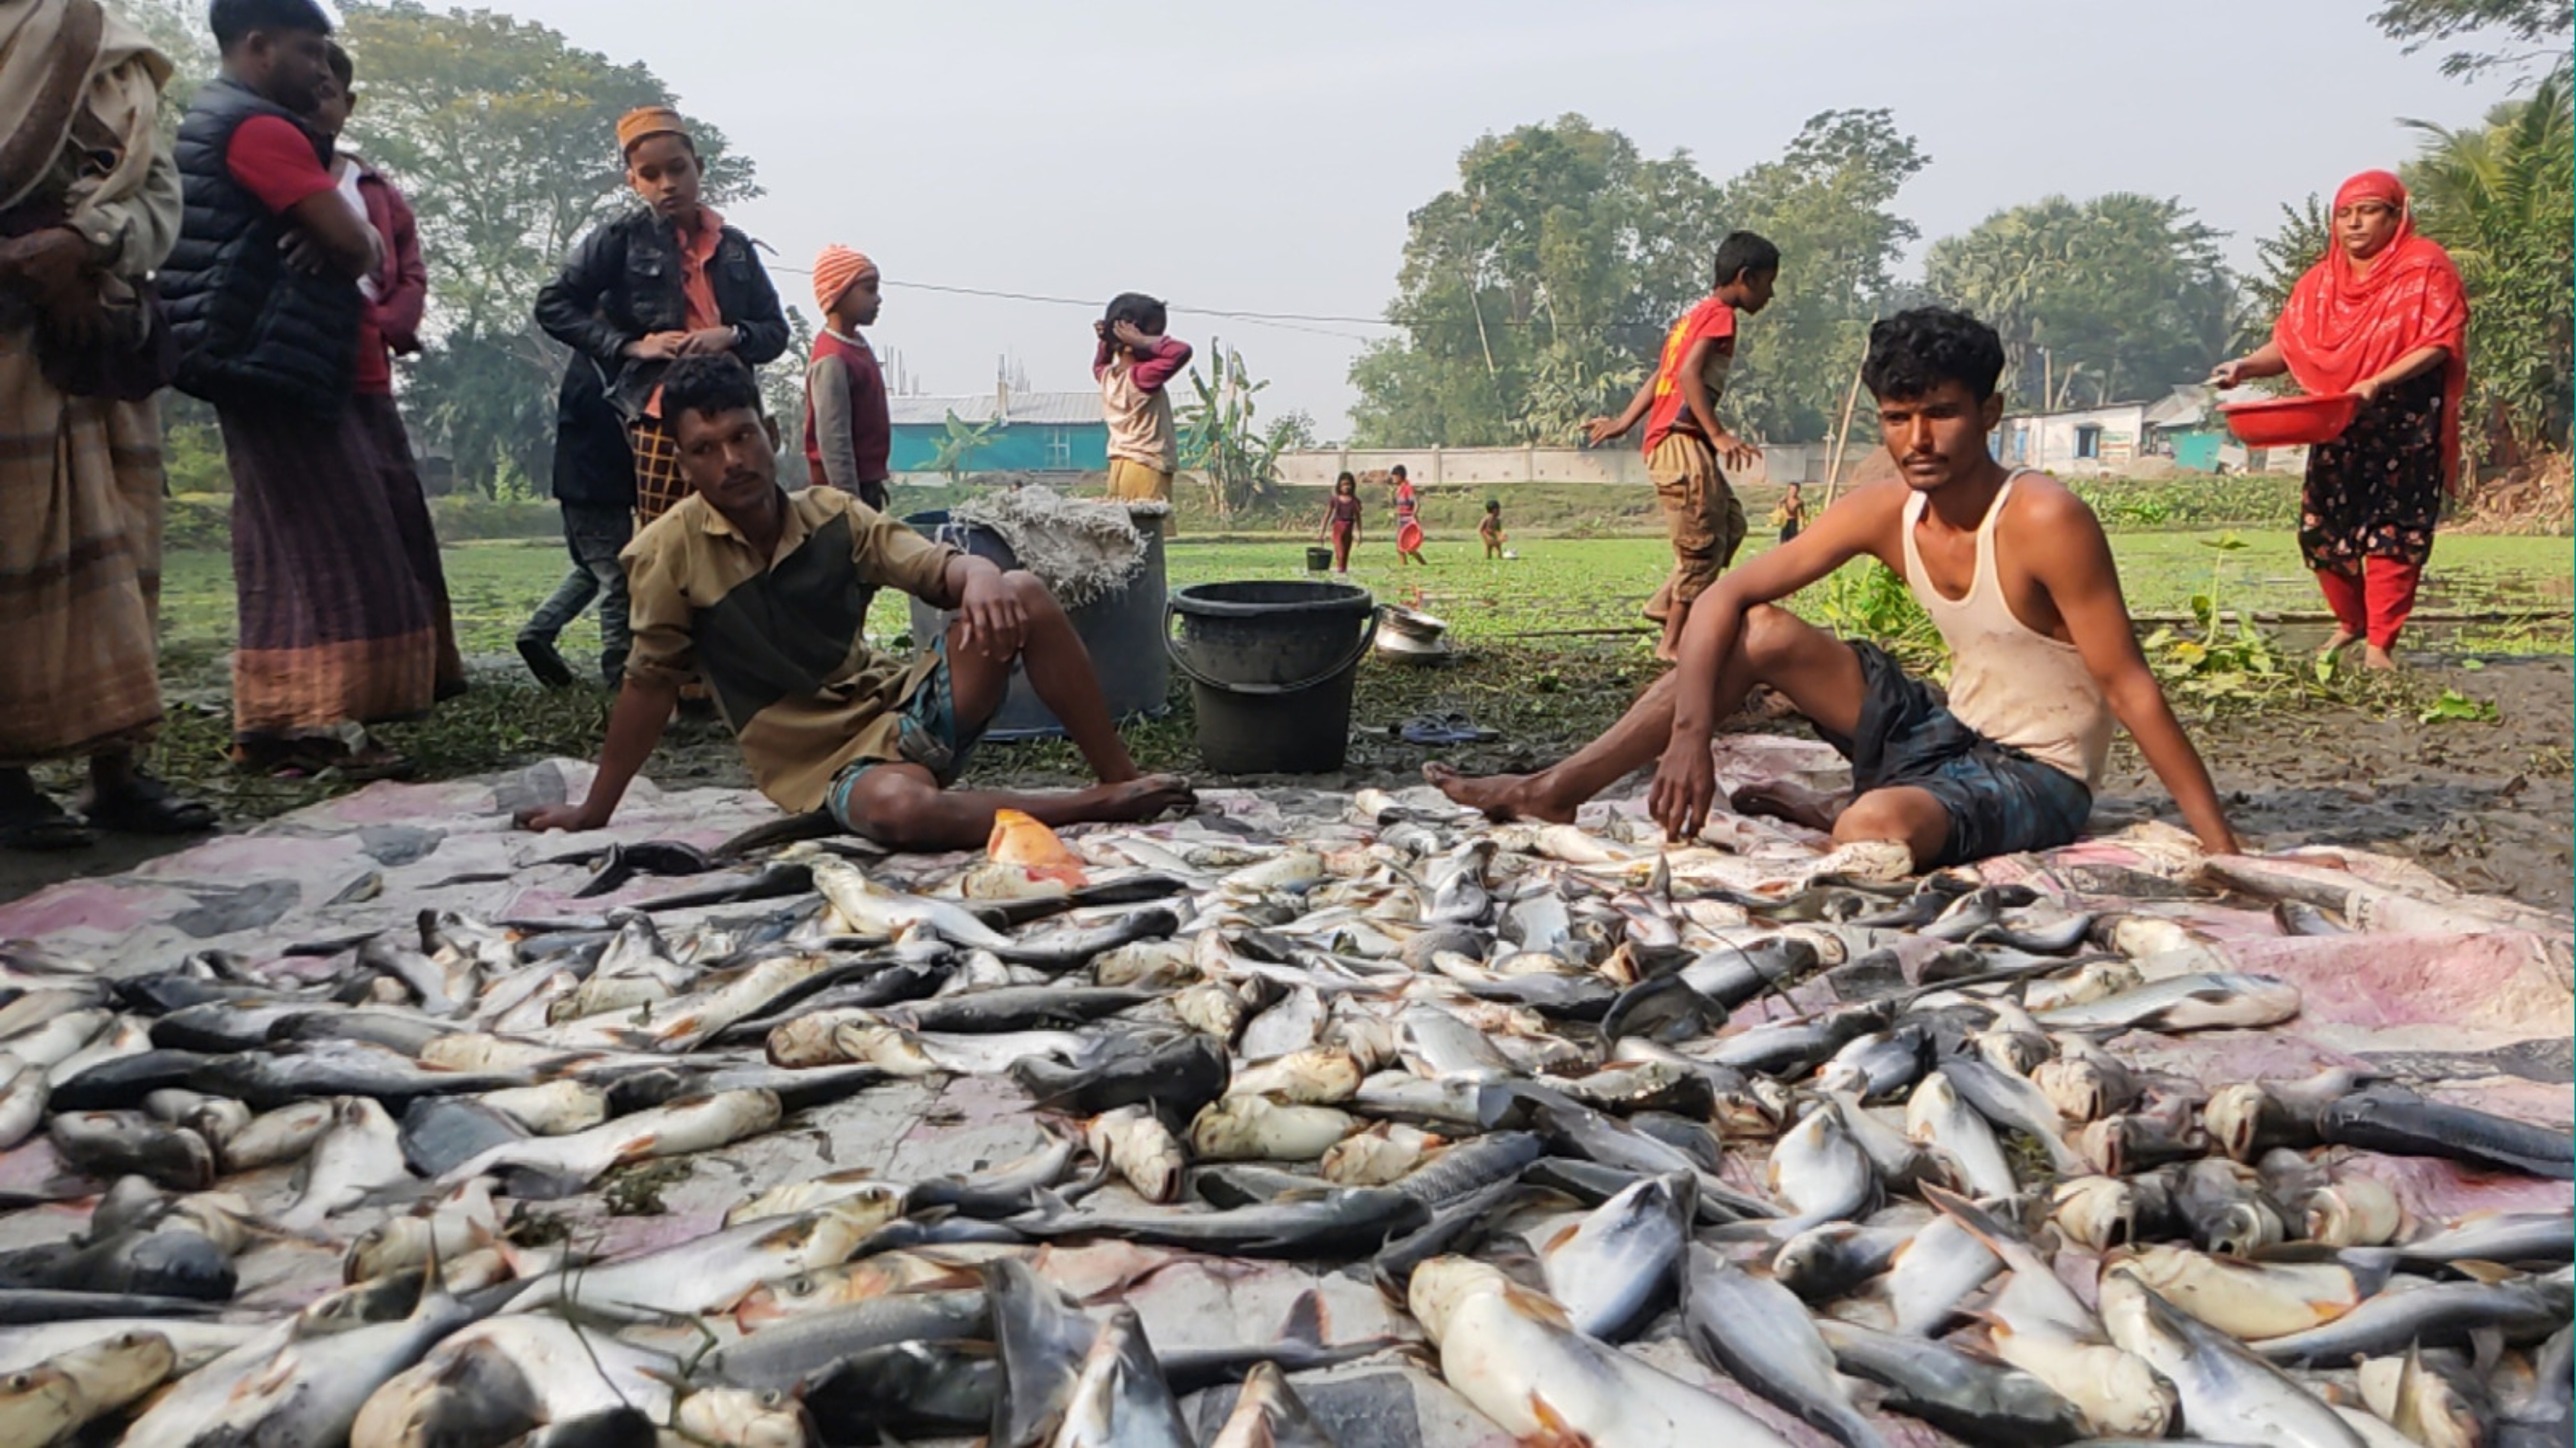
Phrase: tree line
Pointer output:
(1534, 292)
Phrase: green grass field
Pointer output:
(1530, 671)
(1555, 584)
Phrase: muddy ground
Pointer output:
(2486, 805)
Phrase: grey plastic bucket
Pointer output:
(1119, 630)
(1272, 667)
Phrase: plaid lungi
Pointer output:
(80, 565)
(659, 485)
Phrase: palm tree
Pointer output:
(2499, 198)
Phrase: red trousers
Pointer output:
(2375, 602)
(1342, 547)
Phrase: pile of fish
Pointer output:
(1611, 1144)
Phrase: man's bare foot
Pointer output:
(2375, 657)
(1500, 797)
(1143, 799)
(1780, 800)
(2343, 639)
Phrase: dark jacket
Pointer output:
(252, 331)
(623, 282)
(593, 463)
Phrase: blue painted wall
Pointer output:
(1021, 447)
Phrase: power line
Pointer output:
(1286, 320)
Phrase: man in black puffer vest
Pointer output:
(338, 628)
(265, 301)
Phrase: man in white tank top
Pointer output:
(2015, 571)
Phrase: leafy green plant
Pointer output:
(1872, 602)
(2193, 501)
(1223, 440)
(2221, 665)
(2454, 707)
(953, 456)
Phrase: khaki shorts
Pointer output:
(1132, 482)
(1702, 514)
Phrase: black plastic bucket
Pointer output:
(1271, 668)
(1319, 559)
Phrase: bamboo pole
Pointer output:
(1842, 436)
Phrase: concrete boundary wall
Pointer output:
(1476, 466)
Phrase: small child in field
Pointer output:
(1791, 515)
(1408, 520)
(1342, 520)
(1491, 530)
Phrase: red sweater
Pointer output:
(391, 325)
(853, 368)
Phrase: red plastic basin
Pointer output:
(2290, 421)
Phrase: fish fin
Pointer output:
(1559, 1237)
(2486, 1349)
(1306, 1323)
(1553, 1430)
(1990, 1233)
(1536, 1306)
(2489, 1273)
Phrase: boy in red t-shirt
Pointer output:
(1684, 442)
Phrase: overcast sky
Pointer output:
(1264, 157)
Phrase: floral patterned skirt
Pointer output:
(2376, 491)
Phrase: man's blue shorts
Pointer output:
(928, 734)
(2000, 800)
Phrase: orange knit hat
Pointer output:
(644, 121)
(834, 270)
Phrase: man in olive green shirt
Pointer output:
(765, 597)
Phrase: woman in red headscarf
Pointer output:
(2383, 316)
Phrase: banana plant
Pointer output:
(1222, 439)
(957, 448)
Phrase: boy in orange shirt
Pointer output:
(1685, 443)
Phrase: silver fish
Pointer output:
(1936, 1117)
(50, 1404)
(1120, 1400)
(2434, 1314)
(714, 1272)
(2012, 1102)
(2206, 1001)
(1823, 1263)
(1618, 1265)
(1435, 1043)
(868, 908)
(1512, 1355)
(2247, 1300)
(1758, 1333)
(359, 1154)
(2508, 1237)
(309, 1395)
(1933, 1273)
(2225, 1391)
(22, 1102)
(1821, 1173)
(1294, 1024)
(1972, 1398)
(698, 1124)
(274, 1138)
